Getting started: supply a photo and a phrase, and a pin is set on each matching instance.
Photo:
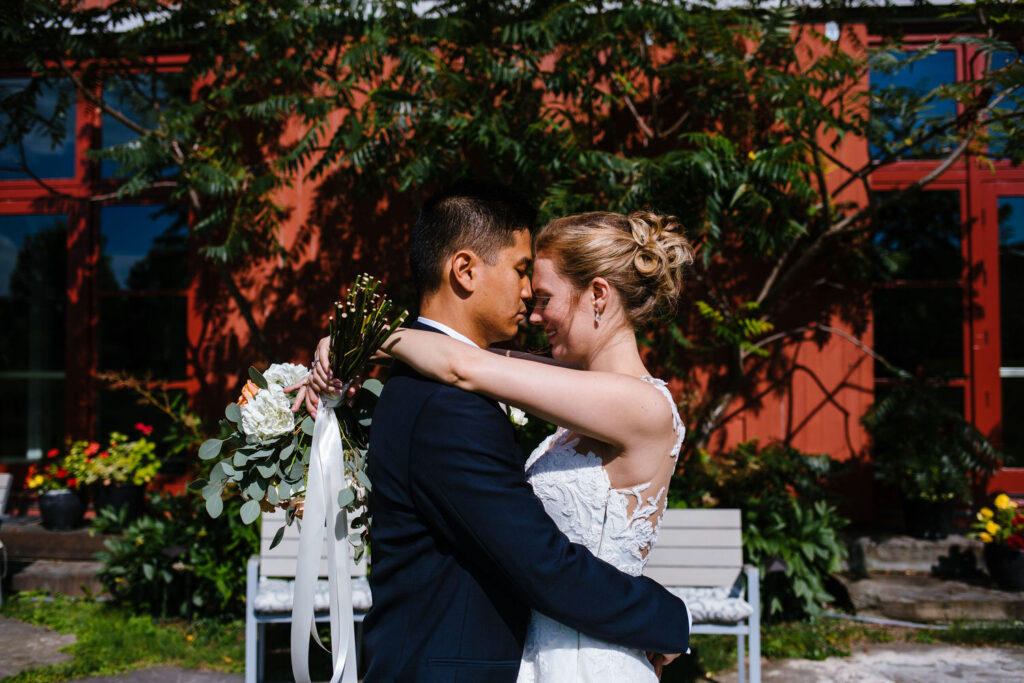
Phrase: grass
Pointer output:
(113, 640)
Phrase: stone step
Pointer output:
(74, 577)
(893, 553)
(27, 540)
(924, 598)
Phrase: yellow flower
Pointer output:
(984, 514)
(189, 637)
(1003, 501)
(985, 538)
(36, 481)
(751, 155)
(992, 527)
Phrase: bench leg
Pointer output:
(741, 664)
(261, 656)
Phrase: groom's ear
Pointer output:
(464, 262)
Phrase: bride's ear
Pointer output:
(462, 270)
(600, 291)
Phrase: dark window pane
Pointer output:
(1013, 422)
(1011, 286)
(999, 141)
(919, 238)
(120, 411)
(33, 257)
(144, 335)
(900, 111)
(920, 330)
(31, 416)
(138, 99)
(144, 248)
(24, 114)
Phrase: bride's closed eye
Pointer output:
(539, 303)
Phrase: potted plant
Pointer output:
(61, 504)
(928, 452)
(118, 473)
(1002, 531)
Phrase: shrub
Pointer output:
(790, 530)
(177, 561)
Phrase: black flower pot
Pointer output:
(62, 509)
(127, 497)
(928, 519)
(1006, 566)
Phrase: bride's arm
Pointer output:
(617, 409)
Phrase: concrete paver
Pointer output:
(902, 663)
(165, 674)
(25, 646)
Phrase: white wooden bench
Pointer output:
(699, 557)
(270, 586)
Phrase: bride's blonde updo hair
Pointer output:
(642, 255)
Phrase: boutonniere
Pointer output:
(517, 416)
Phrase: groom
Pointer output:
(462, 549)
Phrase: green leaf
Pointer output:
(210, 449)
(363, 480)
(256, 490)
(148, 570)
(272, 496)
(257, 377)
(346, 496)
(197, 485)
(214, 506)
(278, 535)
(250, 511)
(233, 413)
(374, 386)
(239, 459)
(267, 470)
(307, 425)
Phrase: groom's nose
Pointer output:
(526, 292)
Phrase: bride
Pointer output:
(603, 475)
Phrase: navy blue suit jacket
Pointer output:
(462, 549)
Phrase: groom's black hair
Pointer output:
(482, 216)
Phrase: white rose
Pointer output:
(285, 374)
(517, 416)
(268, 416)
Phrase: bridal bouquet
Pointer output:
(268, 449)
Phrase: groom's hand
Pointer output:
(659, 661)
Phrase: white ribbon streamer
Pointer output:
(326, 478)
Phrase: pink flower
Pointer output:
(144, 428)
(52, 453)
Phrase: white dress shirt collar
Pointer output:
(441, 327)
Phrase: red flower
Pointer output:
(104, 455)
(72, 482)
(52, 453)
(1015, 542)
(62, 473)
(145, 429)
(91, 448)
(1018, 520)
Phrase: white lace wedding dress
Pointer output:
(617, 525)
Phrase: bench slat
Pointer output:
(693, 576)
(701, 518)
(699, 538)
(695, 557)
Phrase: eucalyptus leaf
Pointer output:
(148, 570)
(218, 475)
(267, 470)
(287, 451)
(355, 538)
(374, 386)
(363, 480)
(239, 459)
(272, 497)
(258, 379)
(214, 506)
(278, 535)
(346, 496)
(250, 511)
(210, 449)
(233, 413)
(307, 425)
(256, 490)
(197, 485)
(211, 490)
